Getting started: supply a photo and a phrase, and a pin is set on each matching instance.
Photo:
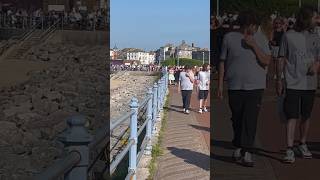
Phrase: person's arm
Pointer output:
(261, 55)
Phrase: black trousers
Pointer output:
(186, 96)
(245, 107)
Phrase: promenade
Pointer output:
(186, 142)
(270, 143)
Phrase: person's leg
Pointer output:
(236, 107)
(307, 101)
(291, 110)
(251, 111)
(200, 100)
(206, 92)
(183, 94)
(188, 98)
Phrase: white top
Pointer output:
(204, 79)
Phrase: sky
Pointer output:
(150, 24)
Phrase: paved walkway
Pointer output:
(270, 143)
(186, 154)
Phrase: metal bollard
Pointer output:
(77, 138)
(154, 107)
(133, 136)
(149, 123)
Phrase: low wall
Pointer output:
(80, 37)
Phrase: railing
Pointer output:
(43, 22)
(77, 163)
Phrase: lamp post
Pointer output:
(218, 3)
(203, 57)
(300, 3)
(178, 54)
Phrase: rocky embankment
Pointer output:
(124, 86)
(33, 113)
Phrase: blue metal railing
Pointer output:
(78, 163)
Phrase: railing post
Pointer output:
(133, 136)
(77, 138)
(149, 123)
(159, 97)
(154, 107)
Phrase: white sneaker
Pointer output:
(184, 109)
(200, 111)
(205, 109)
(187, 111)
(237, 154)
(289, 158)
(303, 149)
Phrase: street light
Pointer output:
(217, 8)
(203, 57)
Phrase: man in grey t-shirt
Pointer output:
(244, 59)
(299, 52)
(186, 80)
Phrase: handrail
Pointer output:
(123, 118)
(118, 159)
(60, 167)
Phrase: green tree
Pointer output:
(182, 62)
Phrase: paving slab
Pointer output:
(186, 154)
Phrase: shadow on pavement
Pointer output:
(198, 159)
(202, 128)
(172, 109)
(176, 106)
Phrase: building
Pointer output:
(201, 54)
(165, 52)
(184, 50)
(141, 56)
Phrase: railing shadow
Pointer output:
(191, 157)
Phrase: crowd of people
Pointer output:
(75, 19)
(187, 78)
(246, 47)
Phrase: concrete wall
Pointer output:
(81, 37)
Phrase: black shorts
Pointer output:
(298, 102)
(203, 94)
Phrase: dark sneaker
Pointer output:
(289, 158)
(236, 156)
(303, 149)
(247, 160)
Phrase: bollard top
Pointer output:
(149, 92)
(76, 120)
(76, 134)
(134, 103)
(155, 85)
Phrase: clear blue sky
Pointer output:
(149, 24)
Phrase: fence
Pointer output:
(77, 164)
(43, 22)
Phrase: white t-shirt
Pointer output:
(185, 81)
(204, 79)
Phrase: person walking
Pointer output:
(186, 80)
(299, 53)
(203, 85)
(245, 55)
(171, 76)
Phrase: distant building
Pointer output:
(68, 5)
(184, 50)
(201, 54)
(141, 56)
